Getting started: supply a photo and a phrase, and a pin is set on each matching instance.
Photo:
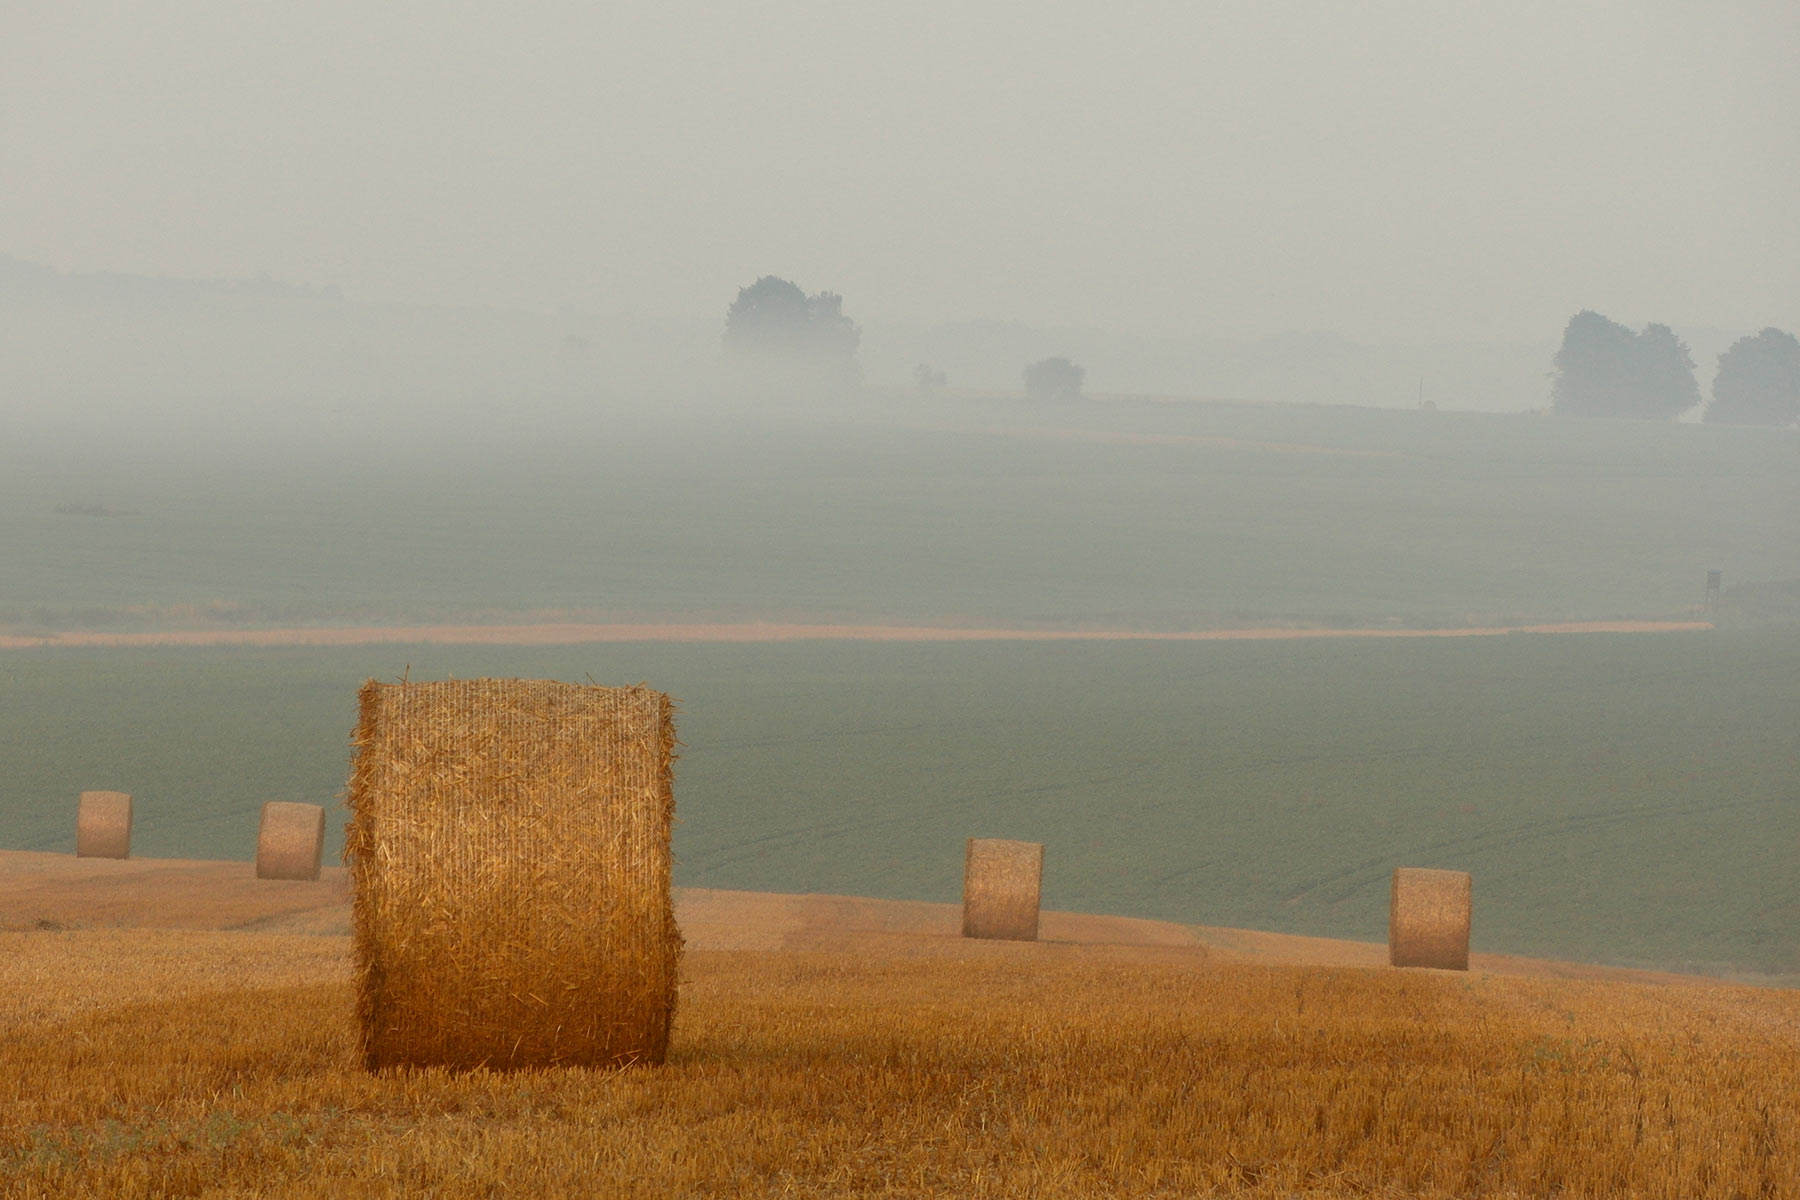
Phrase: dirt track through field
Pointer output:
(572, 633)
(1121, 437)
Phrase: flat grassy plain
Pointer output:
(1619, 799)
(1626, 799)
(1139, 515)
(159, 1063)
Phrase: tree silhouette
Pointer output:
(773, 318)
(1605, 370)
(1054, 379)
(1758, 381)
(1666, 384)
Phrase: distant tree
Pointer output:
(1605, 370)
(773, 318)
(1054, 379)
(1593, 367)
(929, 378)
(1758, 381)
(1666, 384)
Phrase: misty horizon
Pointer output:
(1394, 174)
(67, 326)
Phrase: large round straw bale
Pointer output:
(509, 847)
(103, 825)
(1002, 884)
(1428, 919)
(290, 843)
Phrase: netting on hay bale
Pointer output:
(103, 825)
(1428, 919)
(290, 841)
(509, 848)
(1002, 884)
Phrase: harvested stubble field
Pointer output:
(833, 1047)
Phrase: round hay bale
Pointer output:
(509, 848)
(290, 842)
(103, 825)
(1002, 885)
(1428, 919)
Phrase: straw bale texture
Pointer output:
(103, 825)
(1002, 883)
(290, 843)
(1428, 919)
(509, 847)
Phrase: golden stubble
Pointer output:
(167, 1063)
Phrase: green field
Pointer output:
(1629, 799)
(908, 512)
(1620, 798)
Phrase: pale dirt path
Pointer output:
(44, 893)
(571, 633)
(1120, 437)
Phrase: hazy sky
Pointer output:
(1386, 171)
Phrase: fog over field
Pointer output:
(1154, 319)
(1282, 201)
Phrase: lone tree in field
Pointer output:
(1053, 379)
(1605, 370)
(773, 321)
(1758, 381)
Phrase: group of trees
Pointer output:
(773, 323)
(1605, 370)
